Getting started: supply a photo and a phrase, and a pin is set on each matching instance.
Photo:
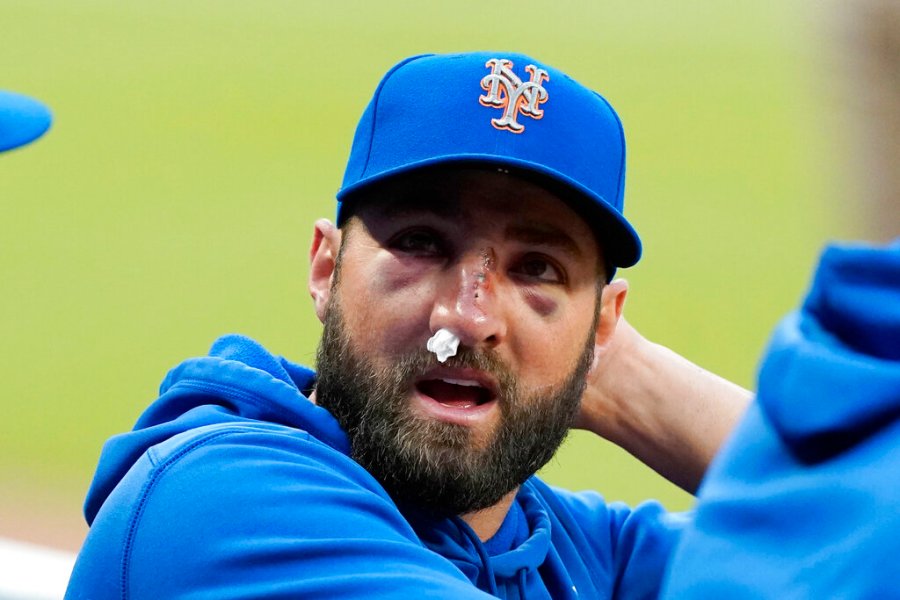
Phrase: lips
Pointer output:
(457, 395)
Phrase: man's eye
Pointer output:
(540, 269)
(417, 242)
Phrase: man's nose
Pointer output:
(468, 303)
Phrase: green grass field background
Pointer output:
(195, 141)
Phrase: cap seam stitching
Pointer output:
(377, 101)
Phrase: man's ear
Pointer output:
(612, 302)
(323, 254)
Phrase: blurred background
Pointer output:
(194, 143)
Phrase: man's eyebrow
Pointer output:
(404, 206)
(531, 232)
(544, 235)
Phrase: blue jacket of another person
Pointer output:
(233, 485)
(804, 501)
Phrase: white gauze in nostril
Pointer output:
(443, 343)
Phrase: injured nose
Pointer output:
(443, 343)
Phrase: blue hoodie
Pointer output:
(233, 485)
(804, 501)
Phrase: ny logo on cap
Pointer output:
(505, 90)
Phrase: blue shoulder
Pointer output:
(254, 510)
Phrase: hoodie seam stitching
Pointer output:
(227, 390)
(144, 497)
(277, 412)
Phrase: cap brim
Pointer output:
(618, 238)
(22, 120)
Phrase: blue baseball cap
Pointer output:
(22, 120)
(503, 110)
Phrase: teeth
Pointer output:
(462, 382)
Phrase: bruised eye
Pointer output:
(418, 242)
(540, 269)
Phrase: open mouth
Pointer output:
(461, 396)
(456, 393)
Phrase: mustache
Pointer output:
(415, 363)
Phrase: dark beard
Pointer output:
(430, 464)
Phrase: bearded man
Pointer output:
(471, 319)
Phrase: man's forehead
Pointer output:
(444, 192)
(411, 201)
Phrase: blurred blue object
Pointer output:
(22, 120)
(802, 501)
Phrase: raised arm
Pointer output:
(665, 410)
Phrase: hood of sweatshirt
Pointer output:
(832, 373)
(241, 381)
(238, 381)
(492, 567)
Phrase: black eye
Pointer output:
(421, 242)
(540, 269)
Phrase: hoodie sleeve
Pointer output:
(255, 511)
(802, 501)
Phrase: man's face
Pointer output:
(512, 271)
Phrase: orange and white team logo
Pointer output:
(507, 91)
